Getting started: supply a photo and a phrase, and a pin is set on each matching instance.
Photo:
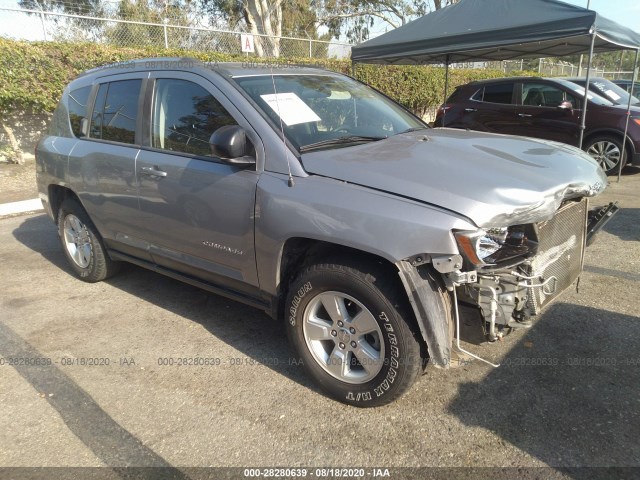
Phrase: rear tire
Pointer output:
(82, 244)
(350, 324)
(607, 151)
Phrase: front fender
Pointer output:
(337, 212)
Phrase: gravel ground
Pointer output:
(567, 394)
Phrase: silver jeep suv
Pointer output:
(317, 199)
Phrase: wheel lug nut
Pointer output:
(352, 330)
(342, 345)
(333, 333)
(340, 324)
(353, 344)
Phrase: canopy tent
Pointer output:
(474, 30)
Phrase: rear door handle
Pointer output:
(469, 110)
(524, 115)
(153, 171)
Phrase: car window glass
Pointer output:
(321, 108)
(499, 93)
(573, 100)
(116, 110)
(578, 92)
(541, 95)
(478, 95)
(95, 131)
(185, 115)
(77, 104)
(59, 124)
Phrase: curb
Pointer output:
(20, 208)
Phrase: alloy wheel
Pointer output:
(343, 337)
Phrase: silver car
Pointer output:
(317, 199)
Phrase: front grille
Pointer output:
(560, 249)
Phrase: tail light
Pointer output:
(442, 109)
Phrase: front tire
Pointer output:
(350, 324)
(607, 151)
(82, 244)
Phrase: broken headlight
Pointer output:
(496, 246)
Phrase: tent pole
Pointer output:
(446, 88)
(583, 121)
(623, 154)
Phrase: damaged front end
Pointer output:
(510, 273)
(526, 268)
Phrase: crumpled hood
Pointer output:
(494, 180)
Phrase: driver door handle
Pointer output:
(469, 110)
(153, 172)
(524, 115)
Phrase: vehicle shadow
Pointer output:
(568, 402)
(631, 170)
(625, 224)
(250, 331)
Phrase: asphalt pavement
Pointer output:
(145, 371)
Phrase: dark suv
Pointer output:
(626, 85)
(545, 108)
(607, 89)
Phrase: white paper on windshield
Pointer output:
(613, 95)
(337, 95)
(291, 109)
(580, 90)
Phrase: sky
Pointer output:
(625, 12)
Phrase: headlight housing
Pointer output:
(497, 246)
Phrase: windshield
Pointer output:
(317, 109)
(607, 89)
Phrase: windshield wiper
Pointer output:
(339, 141)
(413, 129)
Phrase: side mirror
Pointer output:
(84, 127)
(565, 106)
(229, 143)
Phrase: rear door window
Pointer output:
(497, 93)
(116, 111)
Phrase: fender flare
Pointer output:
(430, 310)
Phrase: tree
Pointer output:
(354, 19)
(78, 7)
(148, 11)
(260, 17)
(75, 27)
(294, 18)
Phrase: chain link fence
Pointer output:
(57, 26)
(549, 68)
(186, 29)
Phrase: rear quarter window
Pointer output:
(77, 102)
(59, 124)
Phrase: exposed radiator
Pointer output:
(560, 253)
